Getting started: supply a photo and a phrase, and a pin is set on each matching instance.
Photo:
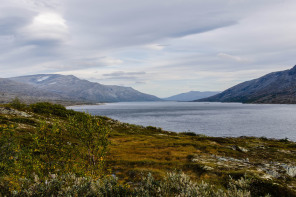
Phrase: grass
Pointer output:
(162, 151)
(137, 150)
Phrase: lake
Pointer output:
(212, 119)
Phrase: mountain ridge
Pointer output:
(274, 88)
(69, 87)
(190, 96)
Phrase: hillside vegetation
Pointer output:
(47, 150)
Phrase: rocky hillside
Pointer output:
(276, 87)
(10, 89)
(47, 150)
(73, 88)
(190, 96)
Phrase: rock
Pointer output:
(10, 111)
(290, 170)
(261, 147)
(277, 170)
(273, 173)
(208, 168)
(239, 148)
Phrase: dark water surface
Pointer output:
(212, 119)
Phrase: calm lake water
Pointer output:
(212, 119)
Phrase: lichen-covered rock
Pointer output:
(6, 110)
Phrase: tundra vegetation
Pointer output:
(47, 150)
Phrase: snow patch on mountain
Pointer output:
(42, 78)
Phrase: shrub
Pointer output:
(92, 135)
(67, 185)
(76, 146)
(156, 129)
(284, 140)
(17, 104)
(8, 149)
(51, 109)
(174, 184)
(189, 133)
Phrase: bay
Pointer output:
(211, 119)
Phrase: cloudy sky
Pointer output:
(157, 47)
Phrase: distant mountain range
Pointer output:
(68, 87)
(190, 96)
(277, 87)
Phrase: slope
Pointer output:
(276, 87)
(10, 89)
(190, 96)
(77, 89)
(47, 150)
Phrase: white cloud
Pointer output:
(157, 47)
(233, 58)
(47, 26)
(109, 61)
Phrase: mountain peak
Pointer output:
(73, 88)
(276, 87)
(292, 71)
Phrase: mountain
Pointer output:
(190, 96)
(71, 87)
(277, 87)
(10, 89)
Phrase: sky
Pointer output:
(157, 47)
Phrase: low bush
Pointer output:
(173, 184)
(17, 104)
(189, 133)
(151, 128)
(77, 145)
(51, 109)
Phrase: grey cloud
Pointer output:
(9, 25)
(45, 43)
(133, 77)
(138, 22)
(140, 82)
(202, 29)
(48, 4)
(205, 37)
(12, 18)
(16, 50)
(124, 74)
